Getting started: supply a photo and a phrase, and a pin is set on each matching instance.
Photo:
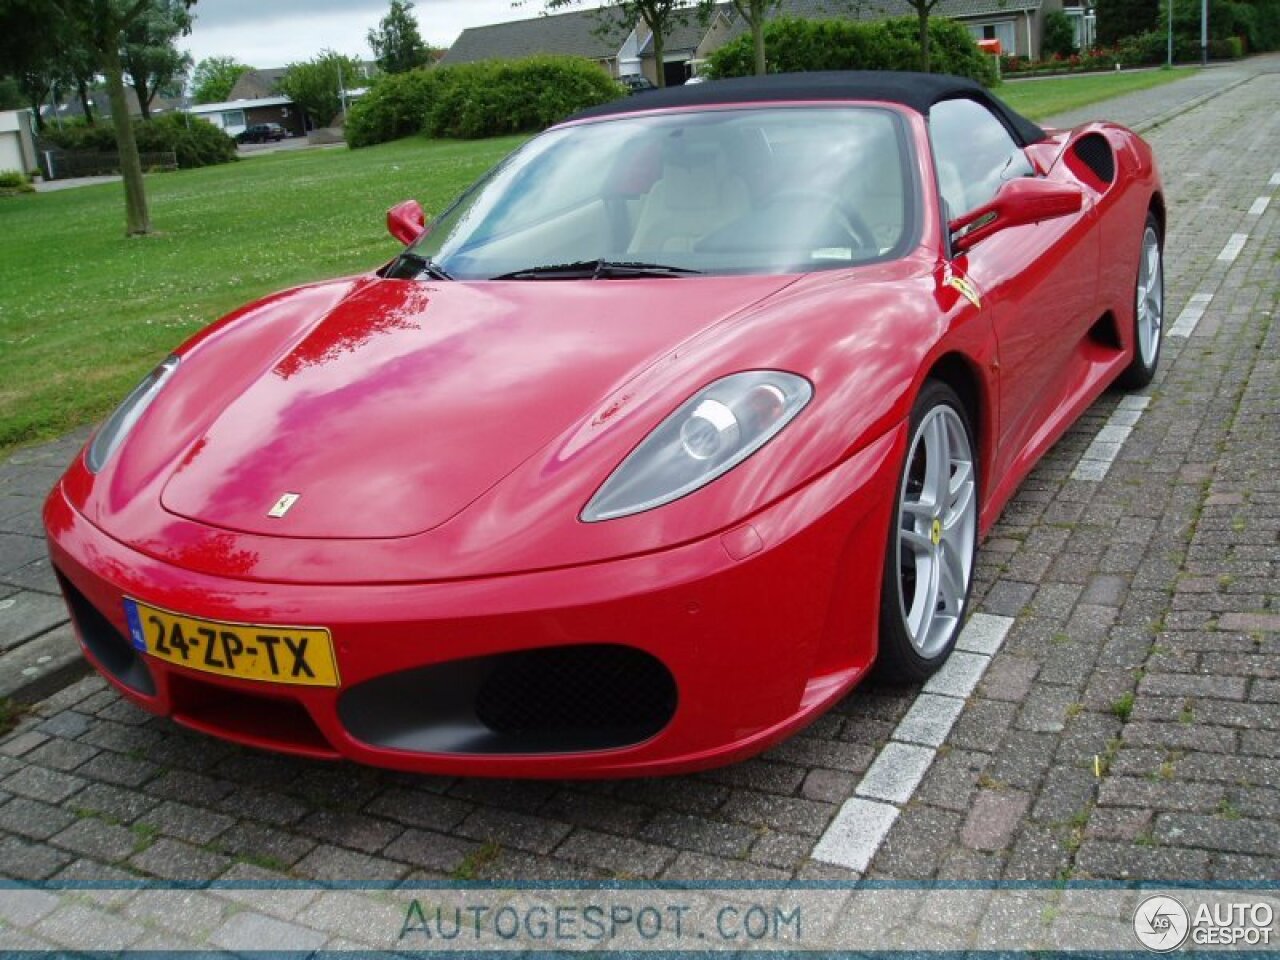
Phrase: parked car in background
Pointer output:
(637, 84)
(262, 133)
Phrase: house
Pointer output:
(598, 34)
(17, 145)
(257, 84)
(234, 116)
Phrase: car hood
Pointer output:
(406, 401)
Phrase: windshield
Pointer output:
(775, 190)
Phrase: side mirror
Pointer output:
(406, 221)
(1017, 202)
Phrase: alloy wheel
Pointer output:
(937, 528)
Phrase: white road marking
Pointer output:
(1233, 247)
(857, 831)
(1185, 325)
(1259, 206)
(1275, 179)
(897, 772)
(1096, 461)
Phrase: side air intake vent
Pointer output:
(1094, 152)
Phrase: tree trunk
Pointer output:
(37, 108)
(757, 38)
(144, 98)
(659, 55)
(137, 218)
(85, 105)
(923, 12)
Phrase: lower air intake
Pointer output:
(552, 700)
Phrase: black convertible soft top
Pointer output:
(918, 91)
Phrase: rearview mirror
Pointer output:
(406, 221)
(1017, 202)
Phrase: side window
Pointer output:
(974, 153)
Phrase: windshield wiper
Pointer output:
(597, 270)
(410, 266)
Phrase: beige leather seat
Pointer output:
(697, 194)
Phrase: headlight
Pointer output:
(711, 433)
(117, 426)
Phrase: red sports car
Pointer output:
(641, 454)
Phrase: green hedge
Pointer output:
(473, 100)
(397, 105)
(794, 45)
(195, 142)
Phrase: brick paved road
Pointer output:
(1127, 727)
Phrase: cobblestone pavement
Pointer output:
(1127, 726)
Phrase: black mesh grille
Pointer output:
(1095, 153)
(551, 700)
(599, 686)
(108, 645)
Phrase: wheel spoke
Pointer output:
(937, 463)
(959, 509)
(951, 580)
(918, 543)
(927, 601)
(919, 509)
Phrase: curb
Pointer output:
(1163, 118)
(42, 666)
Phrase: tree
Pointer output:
(923, 8)
(31, 44)
(11, 97)
(1056, 36)
(396, 44)
(99, 26)
(660, 16)
(1118, 19)
(214, 78)
(149, 54)
(315, 85)
(754, 13)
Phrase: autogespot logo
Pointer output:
(1161, 923)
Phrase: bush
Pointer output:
(397, 105)
(1144, 48)
(516, 96)
(794, 45)
(195, 142)
(1057, 37)
(14, 182)
(473, 100)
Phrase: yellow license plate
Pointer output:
(295, 655)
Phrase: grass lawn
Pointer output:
(1038, 99)
(84, 313)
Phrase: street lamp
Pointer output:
(1204, 33)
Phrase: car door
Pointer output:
(1036, 280)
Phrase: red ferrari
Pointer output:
(641, 454)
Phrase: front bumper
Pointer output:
(761, 628)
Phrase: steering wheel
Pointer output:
(848, 218)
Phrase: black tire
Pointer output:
(1142, 369)
(902, 660)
